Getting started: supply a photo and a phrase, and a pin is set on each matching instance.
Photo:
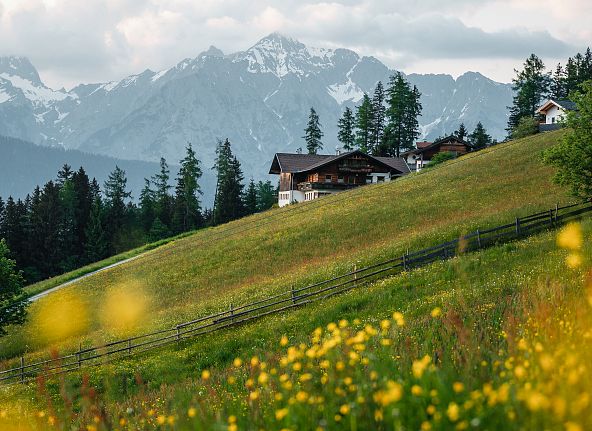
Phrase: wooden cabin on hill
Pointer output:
(304, 177)
(421, 155)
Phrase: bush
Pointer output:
(527, 126)
(441, 158)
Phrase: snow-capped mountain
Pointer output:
(258, 98)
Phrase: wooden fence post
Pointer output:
(556, 211)
(405, 262)
(79, 355)
(129, 347)
(231, 314)
(22, 369)
(178, 333)
(355, 275)
(479, 238)
(551, 217)
(517, 226)
(293, 294)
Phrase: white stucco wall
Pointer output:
(554, 112)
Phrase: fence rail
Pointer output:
(294, 297)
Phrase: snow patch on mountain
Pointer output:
(38, 94)
(345, 92)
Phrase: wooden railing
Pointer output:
(293, 297)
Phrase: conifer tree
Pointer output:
(461, 133)
(13, 304)
(479, 138)
(363, 123)
(96, 246)
(558, 86)
(64, 174)
(147, 206)
(187, 212)
(228, 204)
(83, 200)
(378, 118)
(346, 134)
(162, 197)
(531, 85)
(266, 195)
(116, 194)
(403, 109)
(313, 134)
(251, 198)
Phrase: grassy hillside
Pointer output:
(508, 329)
(297, 245)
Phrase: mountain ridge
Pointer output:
(258, 98)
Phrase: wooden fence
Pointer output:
(293, 297)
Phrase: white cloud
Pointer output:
(98, 40)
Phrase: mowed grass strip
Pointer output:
(305, 243)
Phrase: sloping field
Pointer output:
(296, 245)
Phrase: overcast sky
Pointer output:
(73, 41)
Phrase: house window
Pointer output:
(340, 179)
(368, 179)
(552, 120)
(380, 179)
(327, 178)
(351, 179)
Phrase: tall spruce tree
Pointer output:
(13, 304)
(116, 195)
(531, 86)
(187, 212)
(163, 199)
(266, 195)
(402, 112)
(228, 204)
(346, 130)
(479, 138)
(378, 118)
(313, 134)
(461, 133)
(363, 124)
(558, 85)
(147, 206)
(97, 245)
(251, 198)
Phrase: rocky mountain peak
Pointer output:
(21, 67)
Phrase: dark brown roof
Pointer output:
(451, 138)
(423, 144)
(291, 163)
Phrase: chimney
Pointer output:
(337, 151)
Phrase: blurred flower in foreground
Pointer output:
(570, 237)
(59, 316)
(124, 307)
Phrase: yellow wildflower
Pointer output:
(572, 426)
(573, 260)
(284, 341)
(344, 409)
(418, 367)
(281, 413)
(458, 387)
(426, 426)
(398, 318)
(205, 374)
(570, 237)
(263, 378)
(191, 412)
(254, 395)
(453, 412)
(416, 390)
(237, 362)
(436, 312)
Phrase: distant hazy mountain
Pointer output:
(258, 98)
(24, 165)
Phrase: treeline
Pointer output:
(385, 124)
(72, 221)
(534, 83)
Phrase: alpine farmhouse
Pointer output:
(417, 158)
(304, 177)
